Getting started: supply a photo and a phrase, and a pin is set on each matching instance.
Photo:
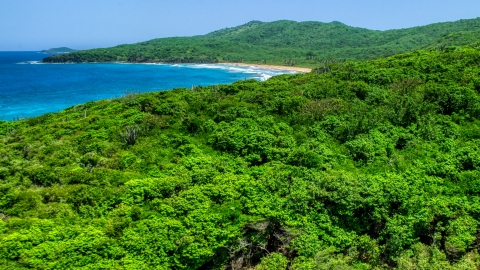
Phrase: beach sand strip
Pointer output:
(297, 69)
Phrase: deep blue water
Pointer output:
(29, 88)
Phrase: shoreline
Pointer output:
(297, 69)
(274, 67)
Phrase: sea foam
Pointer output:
(259, 73)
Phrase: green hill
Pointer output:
(358, 165)
(285, 43)
(59, 50)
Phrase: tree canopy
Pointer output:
(358, 165)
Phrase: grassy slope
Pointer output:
(285, 42)
(374, 164)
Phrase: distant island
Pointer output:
(286, 43)
(59, 50)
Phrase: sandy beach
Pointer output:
(297, 69)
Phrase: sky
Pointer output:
(29, 25)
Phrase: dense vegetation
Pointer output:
(358, 165)
(285, 43)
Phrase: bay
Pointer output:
(30, 88)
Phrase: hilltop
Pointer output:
(59, 50)
(285, 43)
(356, 165)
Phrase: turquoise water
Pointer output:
(29, 88)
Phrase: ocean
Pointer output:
(30, 88)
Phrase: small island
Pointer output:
(59, 50)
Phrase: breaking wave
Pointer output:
(259, 73)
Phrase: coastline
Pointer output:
(274, 67)
(25, 102)
(296, 69)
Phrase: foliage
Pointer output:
(370, 165)
(288, 43)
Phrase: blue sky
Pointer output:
(83, 24)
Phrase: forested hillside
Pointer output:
(357, 165)
(285, 43)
